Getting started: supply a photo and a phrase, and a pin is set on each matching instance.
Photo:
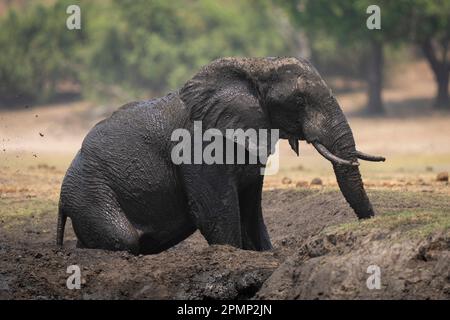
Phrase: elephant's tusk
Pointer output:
(335, 159)
(368, 157)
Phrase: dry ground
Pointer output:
(321, 251)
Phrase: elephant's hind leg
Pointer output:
(150, 245)
(103, 225)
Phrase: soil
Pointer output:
(309, 260)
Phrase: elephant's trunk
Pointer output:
(351, 185)
(341, 144)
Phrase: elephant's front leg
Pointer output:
(214, 203)
(254, 231)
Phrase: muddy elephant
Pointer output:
(123, 190)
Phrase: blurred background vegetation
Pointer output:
(131, 49)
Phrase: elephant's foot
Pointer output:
(80, 245)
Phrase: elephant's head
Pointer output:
(287, 94)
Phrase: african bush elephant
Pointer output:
(123, 191)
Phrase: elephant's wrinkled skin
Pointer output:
(123, 192)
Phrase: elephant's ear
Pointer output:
(224, 96)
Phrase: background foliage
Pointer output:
(129, 46)
(139, 48)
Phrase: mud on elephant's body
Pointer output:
(123, 192)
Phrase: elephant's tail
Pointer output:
(60, 227)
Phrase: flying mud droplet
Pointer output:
(41, 134)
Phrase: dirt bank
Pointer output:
(338, 266)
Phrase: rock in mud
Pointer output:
(442, 176)
(302, 184)
(224, 285)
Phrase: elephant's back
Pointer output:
(149, 122)
(138, 129)
(130, 151)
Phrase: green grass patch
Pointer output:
(411, 223)
(20, 208)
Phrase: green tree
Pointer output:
(35, 50)
(157, 45)
(430, 25)
(129, 48)
(345, 22)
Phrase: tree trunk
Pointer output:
(375, 79)
(441, 72)
(442, 100)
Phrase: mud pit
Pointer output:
(321, 251)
